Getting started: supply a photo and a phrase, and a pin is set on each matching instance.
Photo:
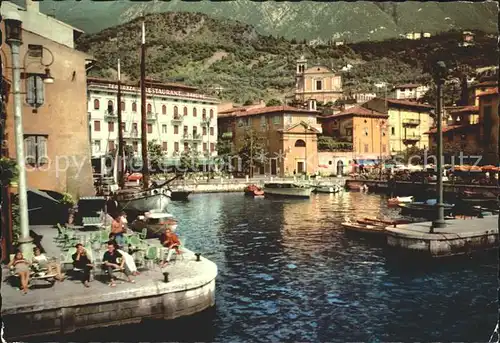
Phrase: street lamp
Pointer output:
(13, 35)
(439, 75)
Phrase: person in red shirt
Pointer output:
(171, 241)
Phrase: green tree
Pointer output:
(274, 102)
(189, 161)
(252, 151)
(155, 155)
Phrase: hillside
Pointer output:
(205, 52)
(310, 20)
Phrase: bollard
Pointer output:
(198, 257)
(165, 277)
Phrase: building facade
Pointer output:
(317, 82)
(408, 124)
(489, 125)
(409, 91)
(289, 134)
(178, 118)
(54, 114)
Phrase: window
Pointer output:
(111, 145)
(205, 147)
(240, 122)
(176, 112)
(135, 145)
(97, 145)
(195, 146)
(212, 147)
(110, 106)
(134, 107)
(211, 131)
(186, 147)
(185, 111)
(194, 112)
(276, 120)
(366, 147)
(96, 104)
(164, 128)
(150, 128)
(35, 90)
(124, 128)
(149, 108)
(300, 143)
(164, 146)
(111, 126)
(97, 125)
(35, 51)
(204, 130)
(122, 106)
(164, 109)
(384, 148)
(211, 113)
(185, 130)
(288, 118)
(35, 147)
(204, 114)
(319, 85)
(176, 130)
(393, 131)
(134, 127)
(176, 146)
(195, 130)
(263, 121)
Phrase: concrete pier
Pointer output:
(459, 237)
(68, 306)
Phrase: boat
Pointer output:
(137, 200)
(385, 221)
(288, 189)
(364, 228)
(425, 209)
(155, 221)
(327, 188)
(254, 191)
(470, 197)
(357, 186)
(179, 192)
(400, 200)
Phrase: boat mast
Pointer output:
(144, 141)
(121, 180)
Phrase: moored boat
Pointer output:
(155, 222)
(327, 188)
(400, 200)
(425, 209)
(287, 189)
(254, 191)
(133, 199)
(364, 228)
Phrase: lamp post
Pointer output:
(439, 75)
(13, 33)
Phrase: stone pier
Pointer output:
(68, 306)
(459, 237)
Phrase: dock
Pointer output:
(459, 237)
(67, 306)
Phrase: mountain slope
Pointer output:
(352, 21)
(207, 52)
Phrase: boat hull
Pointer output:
(372, 230)
(327, 189)
(180, 195)
(429, 211)
(145, 202)
(288, 192)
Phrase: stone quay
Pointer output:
(459, 237)
(65, 307)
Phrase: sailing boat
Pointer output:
(148, 198)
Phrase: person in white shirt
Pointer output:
(43, 262)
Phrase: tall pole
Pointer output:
(144, 137)
(439, 79)
(25, 239)
(251, 154)
(121, 180)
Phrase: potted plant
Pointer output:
(67, 203)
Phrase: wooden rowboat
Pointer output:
(370, 229)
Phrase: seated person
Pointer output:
(171, 241)
(42, 262)
(83, 262)
(22, 268)
(110, 263)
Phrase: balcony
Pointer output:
(411, 139)
(188, 137)
(110, 115)
(177, 119)
(411, 122)
(134, 134)
(151, 117)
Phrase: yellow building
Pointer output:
(289, 135)
(409, 122)
(317, 82)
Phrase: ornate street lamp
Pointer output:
(439, 74)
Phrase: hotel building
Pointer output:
(178, 118)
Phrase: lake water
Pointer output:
(287, 272)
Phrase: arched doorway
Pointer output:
(340, 167)
(302, 156)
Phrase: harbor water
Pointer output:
(287, 272)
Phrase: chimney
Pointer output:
(32, 6)
(311, 105)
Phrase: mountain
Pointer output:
(202, 51)
(310, 20)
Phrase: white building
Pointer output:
(410, 91)
(178, 118)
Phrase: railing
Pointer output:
(131, 134)
(411, 122)
(177, 119)
(109, 115)
(151, 116)
(411, 138)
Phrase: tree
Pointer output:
(274, 102)
(452, 93)
(155, 155)
(252, 152)
(189, 161)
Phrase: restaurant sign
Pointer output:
(155, 91)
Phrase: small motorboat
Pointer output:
(470, 197)
(327, 188)
(155, 221)
(400, 200)
(357, 186)
(288, 189)
(425, 209)
(254, 191)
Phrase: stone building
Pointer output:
(317, 82)
(289, 134)
(54, 114)
(489, 125)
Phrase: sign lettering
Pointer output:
(153, 91)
